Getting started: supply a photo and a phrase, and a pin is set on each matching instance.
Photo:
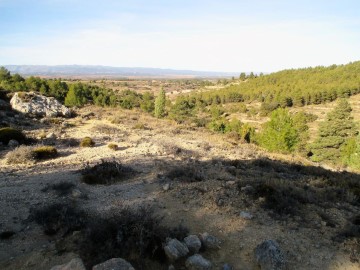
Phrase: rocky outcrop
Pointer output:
(114, 264)
(37, 105)
(269, 256)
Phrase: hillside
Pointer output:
(188, 176)
(296, 87)
(109, 72)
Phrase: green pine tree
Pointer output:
(280, 133)
(334, 132)
(160, 103)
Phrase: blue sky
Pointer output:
(227, 35)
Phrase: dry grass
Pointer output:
(87, 142)
(21, 154)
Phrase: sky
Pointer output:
(226, 35)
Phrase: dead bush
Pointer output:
(133, 234)
(21, 154)
(105, 173)
(59, 217)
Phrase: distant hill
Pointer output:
(107, 71)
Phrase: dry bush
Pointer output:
(133, 234)
(29, 154)
(140, 126)
(87, 142)
(106, 129)
(70, 142)
(62, 188)
(59, 217)
(21, 154)
(105, 173)
(118, 119)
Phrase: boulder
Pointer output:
(209, 241)
(174, 249)
(269, 256)
(193, 243)
(74, 264)
(114, 264)
(197, 262)
(38, 105)
(13, 143)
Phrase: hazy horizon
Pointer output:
(226, 36)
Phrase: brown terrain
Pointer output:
(189, 176)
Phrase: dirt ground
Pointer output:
(211, 205)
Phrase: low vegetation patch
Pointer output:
(105, 173)
(133, 234)
(29, 154)
(59, 217)
(8, 133)
(21, 154)
(45, 152)
(113, 146)
(186, 173)
(87, 142)
(62, 188)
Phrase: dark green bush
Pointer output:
(8, 133)
(45, 152)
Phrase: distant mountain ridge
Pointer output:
(108, 71)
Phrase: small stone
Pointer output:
(74, 264)
(209, 241)
(193, 243)
(166, 187)
(248, 189)
(114, 264)
(230, 183)
(171, 267)
(246, 215)
(197, 262)
(227, 266)
(174, 249)
(13, 143)
(51, 136)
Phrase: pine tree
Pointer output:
(160, 104)
(334, 133)
(280, 133)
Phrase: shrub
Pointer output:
(105, 173)
(113, 146)
(279, 134)
(160, 103)
(7, 134)
(133, 234)
(139, 126)
(59, 217)
(62, 188)
(21, 154)
(334, 133)
(87, 142)
(45, 152)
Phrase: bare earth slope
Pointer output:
(308, 230)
